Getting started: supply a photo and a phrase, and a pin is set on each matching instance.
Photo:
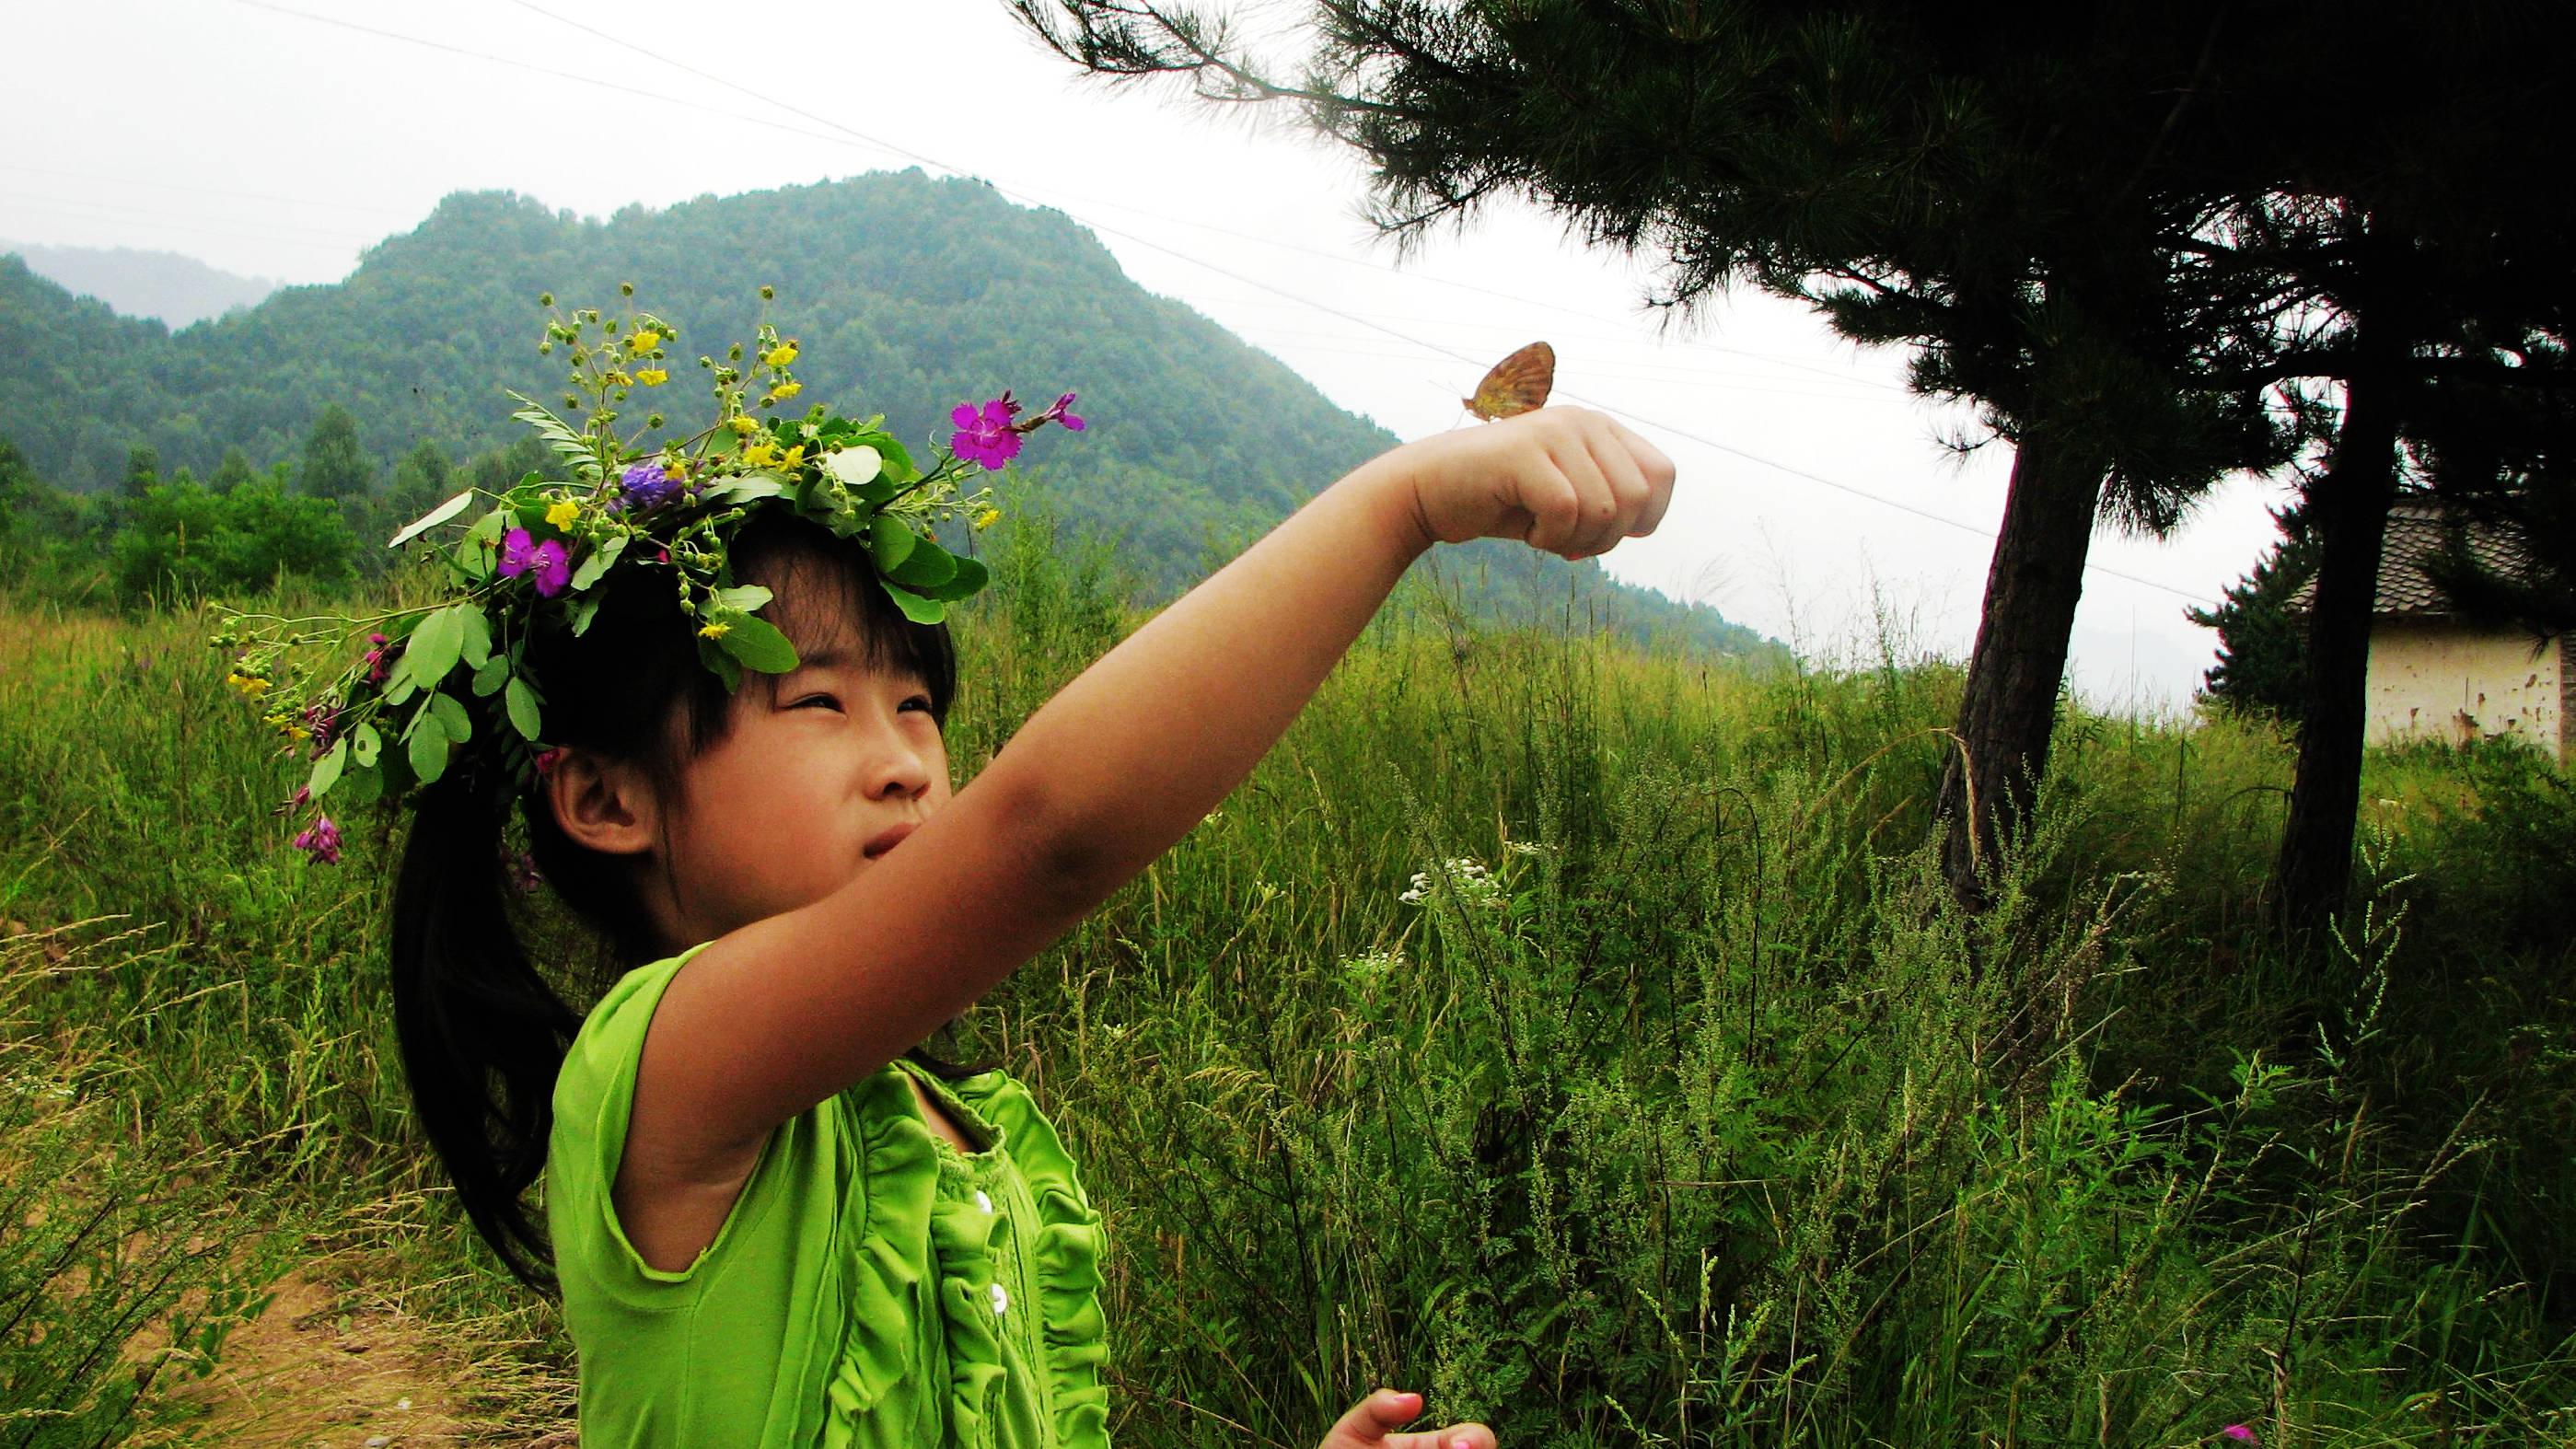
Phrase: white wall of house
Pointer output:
(2435, 680)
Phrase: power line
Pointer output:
(849, 133)
(203, 190)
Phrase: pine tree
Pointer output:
(232, 472)
(2262, 666)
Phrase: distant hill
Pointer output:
(908, 295)
(165, 286)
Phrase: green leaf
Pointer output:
(969, 579)
(434, 646)
(744, 599)
(326, 771)
(400, 687)
(489, 679)
(432, 519)
(597, 564)
(926, 569)
(364, 742)
(748, 488)
(722, 663)
(429, 750)
(582, 612)
(522, 704)
(570, 445)
(916, 608)
(899, 467)
(451, 716)
(481, 549)
(757, 644)
(890, 541)
(477, 650)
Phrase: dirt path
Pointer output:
(314, 1373)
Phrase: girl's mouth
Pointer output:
(888, 839)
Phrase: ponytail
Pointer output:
(482, 1034)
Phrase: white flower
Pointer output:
(1525, 847)
(853, 466)
(1468, 880)
(1370, 965)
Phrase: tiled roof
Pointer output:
(2415, 537)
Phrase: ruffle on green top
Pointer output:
(923, 1192)
(873, 1287)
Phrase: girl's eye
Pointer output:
(916, 702)
(824, 701)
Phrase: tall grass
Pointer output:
(1693, 1113)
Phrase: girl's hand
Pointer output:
(1372, 1423)
(1568, 480)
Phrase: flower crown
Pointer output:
(437, 683)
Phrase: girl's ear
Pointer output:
(602, 804)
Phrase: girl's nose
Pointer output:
(902, 774)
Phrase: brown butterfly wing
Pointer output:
(1518, 384)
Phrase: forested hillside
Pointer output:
(908, 294)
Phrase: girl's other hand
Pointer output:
(1372, 1424)
(1568, 480)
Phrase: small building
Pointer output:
(2434, 676)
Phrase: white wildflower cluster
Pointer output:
(1373, 965)
(1525, 847)
(33, 1086)
(1469, 880)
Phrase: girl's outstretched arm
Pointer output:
(786, 1011)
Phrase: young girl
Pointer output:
(773, 1221)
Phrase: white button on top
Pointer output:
(983, 1200)
(1001, 1301)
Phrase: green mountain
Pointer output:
(172, 289)
(908, 295)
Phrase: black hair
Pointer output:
(481, 1029)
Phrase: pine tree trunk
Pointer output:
(2011, 705)
(2349, 508)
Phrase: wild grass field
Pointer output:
(1578, 1034)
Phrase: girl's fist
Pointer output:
(1568, 480)
(1373, 1422)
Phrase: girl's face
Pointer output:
(824, 770)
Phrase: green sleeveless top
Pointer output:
(873, 1286)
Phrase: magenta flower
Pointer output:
(324, 722)
(1057, 414)
(320, 840)
(376, 659)
(2238, 1432)
(302, 797)
(545, 562)
(984, 436)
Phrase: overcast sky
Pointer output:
(283, 138)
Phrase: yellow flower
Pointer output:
(742, 427)
(781, 355)
(792, 456)
(714, 631)
(562, 514)
(640, 342)
(987, 519)
(248, 684)
(786, 390)
(758, 454)
(652, 376)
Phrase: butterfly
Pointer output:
(1518, 384)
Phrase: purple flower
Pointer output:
(376, 659)
(647, 485)
(2238, 1432)
(302, 797)
(1057, 414)
(324, 722)
(545, 561)
(320, 840)
(984, 436)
